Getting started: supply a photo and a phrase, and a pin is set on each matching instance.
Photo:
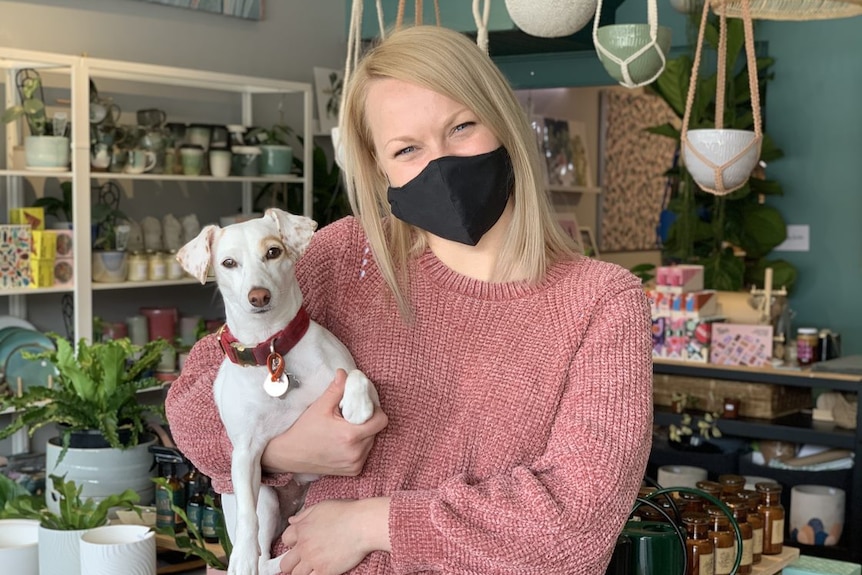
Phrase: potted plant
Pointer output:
(731, 236)
(60, 530)
(58, 207)
(42, 148)
(110, 236)
(192, 543)
(103, 440)
(276, 154)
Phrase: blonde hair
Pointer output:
(450, 64)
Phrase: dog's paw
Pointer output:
(243, 563)
(356, 404)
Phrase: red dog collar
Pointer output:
(280, 343)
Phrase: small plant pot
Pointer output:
(551, 18)
(728, 150)
(47, 152)
(275, 160)
(624, 41)
(19, 540)
(110, 266)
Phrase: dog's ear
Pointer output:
(195, 256)
(295, 231)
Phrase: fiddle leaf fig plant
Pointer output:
(731, 236)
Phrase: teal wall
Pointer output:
(813, 111)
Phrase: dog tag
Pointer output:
(276, 387)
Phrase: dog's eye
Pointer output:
(273, 253)
(229, 263)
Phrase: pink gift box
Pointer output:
(741, 344)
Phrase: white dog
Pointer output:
(277, 362)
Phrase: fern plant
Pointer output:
(95, 388)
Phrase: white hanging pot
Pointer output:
(686, 6)
(633, 54)
(551, 18)
(721, 159)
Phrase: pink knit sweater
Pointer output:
(519, 415)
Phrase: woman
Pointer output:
(515, 373)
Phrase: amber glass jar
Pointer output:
(723, 540)
(772, 512)
(731, 484)
(739, 508)
(692, 502)
(752, 498)
(711, 487)
(700, 558)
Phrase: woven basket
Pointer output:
(791, 9)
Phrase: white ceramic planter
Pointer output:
(110, 266)
(102, 471)
(729, 150)
(551, 18)
(47, 152)
(19, 552)
(116, 549)
(59, 552)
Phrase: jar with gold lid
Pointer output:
(157, 268)
(175, 270)
(138, 267)
(700, 555)
(772, 511)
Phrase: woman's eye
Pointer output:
(403, 151)
(273, 252)
(229, 263)
(463, 126)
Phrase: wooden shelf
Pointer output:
(771, 564)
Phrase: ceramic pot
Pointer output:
(118, 549)
(275, 159)
(816, 514)
(729, 151)
(110, 266)
(19, 551)
(101, 471)
(680, 476)
(46, 152)
(59, 551)
(551, 18)
(626, 42)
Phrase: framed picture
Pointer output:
(328, 84)
(588, 243)
(248, 9)
(562, 143)
(570, 226)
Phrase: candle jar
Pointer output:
(773, 517)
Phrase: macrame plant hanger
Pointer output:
(652, 20)
(791, 10)
(718, 188)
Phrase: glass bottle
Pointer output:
(731, 484)
(211, 521)
(710, 487)
(196, 503)
(755, 519)
(723, 540)
(739, 508)
(692, 502)
(166, 497)
(700, 557)
(773, 517)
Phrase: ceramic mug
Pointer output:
(118, 549)
(816, 514)
(100, 157)
(151, 117)
(192, 159)
(220, 161)
(140, 161)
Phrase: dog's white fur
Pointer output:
(249, 257)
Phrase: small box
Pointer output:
(33, 217)
(698, 338)
(685, 278)
(659, 302)
(700, 304)
(14, 256)
(741, 344)
(808, 565)
(658, 336)
(65, 243)
(44, 244)
(64, 272)
(674, 338)
(42, 272)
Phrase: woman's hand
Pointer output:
(321, 441)
(334, 536)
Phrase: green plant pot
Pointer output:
(275, 160)
(625, 40)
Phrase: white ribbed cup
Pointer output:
(127, 549)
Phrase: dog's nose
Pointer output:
(259, 297)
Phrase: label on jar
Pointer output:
(777, 531)
(747, 552)
(806, 346)
(707, 564)
(757, 538)
(157, 269)
(724, 558)
(137, 268)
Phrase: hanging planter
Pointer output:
(633, 54)
(721, 161)
(790, 9)
(551, 18)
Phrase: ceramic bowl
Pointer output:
(19, 546)
(551, 18)
(623, 41)
(680, 476)
(720, 147)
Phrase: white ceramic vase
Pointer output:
(112, 549)
(59, 551)
(19, 552)
(101, 471)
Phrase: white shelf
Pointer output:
(101, 176)
(144, 284)
(34, 290)
(575, 189)
(37, 174)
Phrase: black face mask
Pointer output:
(458, 198)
